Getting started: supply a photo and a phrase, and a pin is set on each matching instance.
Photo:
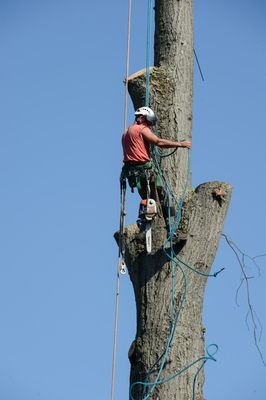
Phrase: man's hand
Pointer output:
(186, 144)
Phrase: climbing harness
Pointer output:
(141, 176)
(136, 174)
(145, 178)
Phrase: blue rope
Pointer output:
(149, 387)
(176, 262)
(204, 359)
(148, 52)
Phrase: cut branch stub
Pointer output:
(161, 88)
(162, 95)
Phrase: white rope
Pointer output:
(120, 260)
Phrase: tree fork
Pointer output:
(203, 214)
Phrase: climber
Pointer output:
(136, 142)
(139, 169)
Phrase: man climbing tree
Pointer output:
(168, 353)
(137, 141)
(139, 168)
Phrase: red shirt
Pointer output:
(134, 146)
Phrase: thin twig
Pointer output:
(245, 279)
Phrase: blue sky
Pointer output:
(61, 100)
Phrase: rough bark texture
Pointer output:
(203, 217)
(171, 82)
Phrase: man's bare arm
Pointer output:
(163, 143)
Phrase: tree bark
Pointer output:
(203, 215)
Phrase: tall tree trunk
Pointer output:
(204, 211)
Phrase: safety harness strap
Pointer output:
(135, 173)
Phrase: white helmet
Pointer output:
(147, 113)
